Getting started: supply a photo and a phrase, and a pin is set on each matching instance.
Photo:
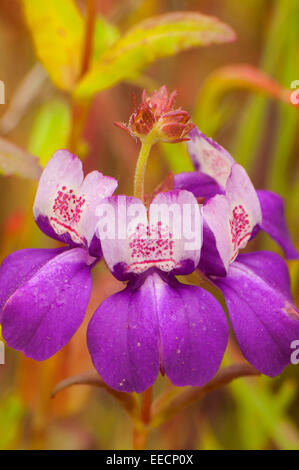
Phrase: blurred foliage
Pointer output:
(238, 93)
(50, 130)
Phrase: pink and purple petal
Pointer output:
(161, 324)
(246, 211)
(119, 218)
(261, 310)
(65, 202)
(229, 222)
(169, 240)
(176, 227)
(46, 303)
(209, 157)
(274, 222)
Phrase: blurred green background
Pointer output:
(236, 91)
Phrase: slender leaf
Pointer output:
(149, 40)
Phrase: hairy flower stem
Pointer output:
(146, 145)
(142, 429)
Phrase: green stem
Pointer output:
(146, 145)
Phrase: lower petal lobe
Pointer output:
(261, 310)
(194, 333)
(159, 324)
(46, 302)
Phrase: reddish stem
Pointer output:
(141, 431)
(89, 35)
(147, 405)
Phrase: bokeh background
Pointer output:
(236, 92)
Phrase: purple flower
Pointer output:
(256, 286)
(213, 166)
(45, 292)
(155, 323)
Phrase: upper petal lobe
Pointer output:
(209, 157)
(169, 239)
(65, 202)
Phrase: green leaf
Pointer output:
(50, 131)
(57, 29)
(105, 35)
(157, 37)
(16, 161)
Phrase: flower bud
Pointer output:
(157, 117)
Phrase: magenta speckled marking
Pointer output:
(240, 227)
(150, 246)
(67, 209)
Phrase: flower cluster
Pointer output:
(155, 323)
(157, 117)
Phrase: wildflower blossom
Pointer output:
(213, 166)
(155, 323)
(45, 292)
(256, 285)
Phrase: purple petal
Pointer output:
(193, 331)
(65, 202)
(170, 241)
(46, 305)
(265, 262)
(18, 267)
(181, 329)
(209, 157)
(263, 316)
(274, 222)
(200, 184)
(123, 339)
